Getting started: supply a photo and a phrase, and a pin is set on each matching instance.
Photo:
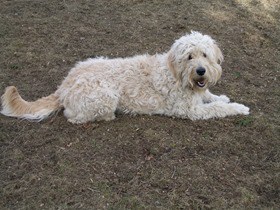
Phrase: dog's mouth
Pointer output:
(200, 82)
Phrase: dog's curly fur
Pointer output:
(173, 84)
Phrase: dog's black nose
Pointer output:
(200, 71)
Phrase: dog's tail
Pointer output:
(14, 106)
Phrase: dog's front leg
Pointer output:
(216, 109)
(208, 97)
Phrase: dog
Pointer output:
(173, 84)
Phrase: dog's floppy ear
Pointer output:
(171, 63)
(173, 67)
(218, 54)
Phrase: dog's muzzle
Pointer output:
(200, 81)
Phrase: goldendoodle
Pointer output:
(173, 84)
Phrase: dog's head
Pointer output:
(195, 61)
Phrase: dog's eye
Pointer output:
(204, 55)
(190, 57)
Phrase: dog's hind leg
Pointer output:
(85, 106)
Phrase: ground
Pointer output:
(138, 162)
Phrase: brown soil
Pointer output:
(137, 162)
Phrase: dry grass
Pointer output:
(138, 162)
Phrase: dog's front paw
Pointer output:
(240, 109)
(224, 98)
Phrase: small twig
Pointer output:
(174, 171)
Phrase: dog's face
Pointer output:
(195, 61)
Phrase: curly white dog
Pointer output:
(173, 84)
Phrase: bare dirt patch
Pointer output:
(140, 161)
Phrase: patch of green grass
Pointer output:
(127, 202)
(237, 74)
(14, 66)
(245, 121)
(104, 187)
(247, 196)
(63, 167)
